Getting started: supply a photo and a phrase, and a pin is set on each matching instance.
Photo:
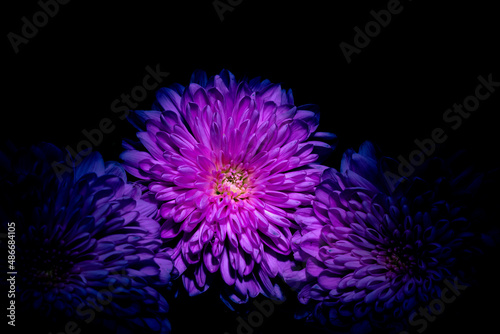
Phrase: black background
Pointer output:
(393, 92)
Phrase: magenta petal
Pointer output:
(227, 271)
(270, 264)
(314, 267)
(310, 242)
(211, 262)
(168, 99)
(190, 285)
(170, 229)
(328, 280)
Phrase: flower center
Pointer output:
(401, 259)
(48, 267)
(231, 183)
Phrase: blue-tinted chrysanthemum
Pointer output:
(229, 163)
(372, 256)
(86, 249)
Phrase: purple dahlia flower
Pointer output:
(229, 163)
(371, 256)
(86, 248)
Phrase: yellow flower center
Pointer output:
(231, 183)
